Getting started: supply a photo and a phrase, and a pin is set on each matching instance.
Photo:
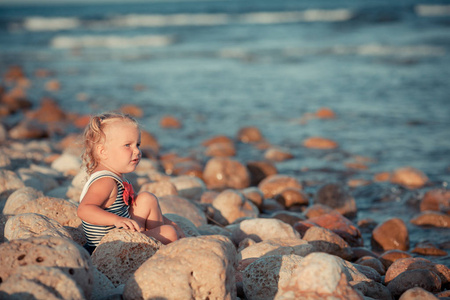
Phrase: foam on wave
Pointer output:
(137, 20)
(432, 10)
(91, 41)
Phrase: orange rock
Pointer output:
(43, 73)
(217, 139)
(132, 110)
(319, 143)
(221, 150)
(291, 196)
(316, 210)
(82, 121)
(148, 141)
(170, 122)
(432, 218)
(277, 154)
(436, 200)
(340, 225)
(391, 234)
(250, 135)
(427, 248)
(384, 176)
(357, 182)
(188, 167)
(325, 113)
(409, 177)
(13, 74)
(356, 166)
(48, 112)
(222, 173)
(390, 256)
(52, 85)
(275, 184)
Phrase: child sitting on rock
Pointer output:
(108, 201)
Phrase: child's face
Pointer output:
(120, 152)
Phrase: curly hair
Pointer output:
(94, 134)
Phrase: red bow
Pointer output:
(128, 193)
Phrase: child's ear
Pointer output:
(101, 152)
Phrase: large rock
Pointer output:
(9, 182)
(60, 253)
(338, 198)
(190, 268)
(28, 225)
(223, 173)
(38, 180)
(324, 240)
(262, 277)
(319, 276)
(286, 246)
(103, 287)
(372, 289)
(20, 197)
(389, 235)
(189, 187)
(121, 252)
(172, 204)
(414, 263)
(417, 293)
(425, 279)
(159, 188)
(275, 184)
(260, 229)
(232, 205)
(39, 282)
(188, 228)
(60, 210)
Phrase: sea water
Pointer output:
(382, 66)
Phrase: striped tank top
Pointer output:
(94, 233)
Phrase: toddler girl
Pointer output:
(107, 201)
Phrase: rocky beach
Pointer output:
(252, 231)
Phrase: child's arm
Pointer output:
(101, 194)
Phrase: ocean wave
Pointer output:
(312, 15)
(91, 41)
(154, 20)
(372, 50)
(50, 24)
(432, 10)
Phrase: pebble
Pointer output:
(223, 173)
(409, 177)
(389, 235)
(277, 183)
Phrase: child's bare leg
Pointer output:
(147, 213)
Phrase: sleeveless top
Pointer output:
(94, 233)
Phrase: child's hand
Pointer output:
(129, 224)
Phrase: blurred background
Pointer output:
(381, 67)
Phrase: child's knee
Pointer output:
(147, 198)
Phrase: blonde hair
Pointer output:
(94, 134)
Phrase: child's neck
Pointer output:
(102, 167)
